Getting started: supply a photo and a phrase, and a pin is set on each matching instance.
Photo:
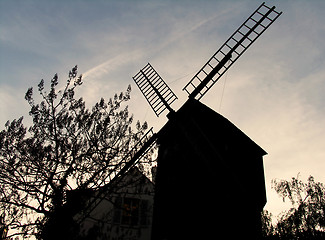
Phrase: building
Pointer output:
(210, 178)
(125, 214)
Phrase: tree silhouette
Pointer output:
(306, 218)
(67, 147)
(267, 226)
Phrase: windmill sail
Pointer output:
(137, 152)
(155, 90)
(231, 50)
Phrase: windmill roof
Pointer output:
(216, 127)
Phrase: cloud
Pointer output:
(105, 67)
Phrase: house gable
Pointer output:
(126, 211)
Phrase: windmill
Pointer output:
(199, 149)
(205, 163)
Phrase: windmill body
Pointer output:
(210, 178)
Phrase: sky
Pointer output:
(274, 92)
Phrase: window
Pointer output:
(131, 211)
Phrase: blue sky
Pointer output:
(274, 92)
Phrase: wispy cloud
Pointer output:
(104, 68)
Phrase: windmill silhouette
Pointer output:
(210, 177)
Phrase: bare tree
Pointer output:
(67, 147)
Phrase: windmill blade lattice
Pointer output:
(155, 90)
(231, 50)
